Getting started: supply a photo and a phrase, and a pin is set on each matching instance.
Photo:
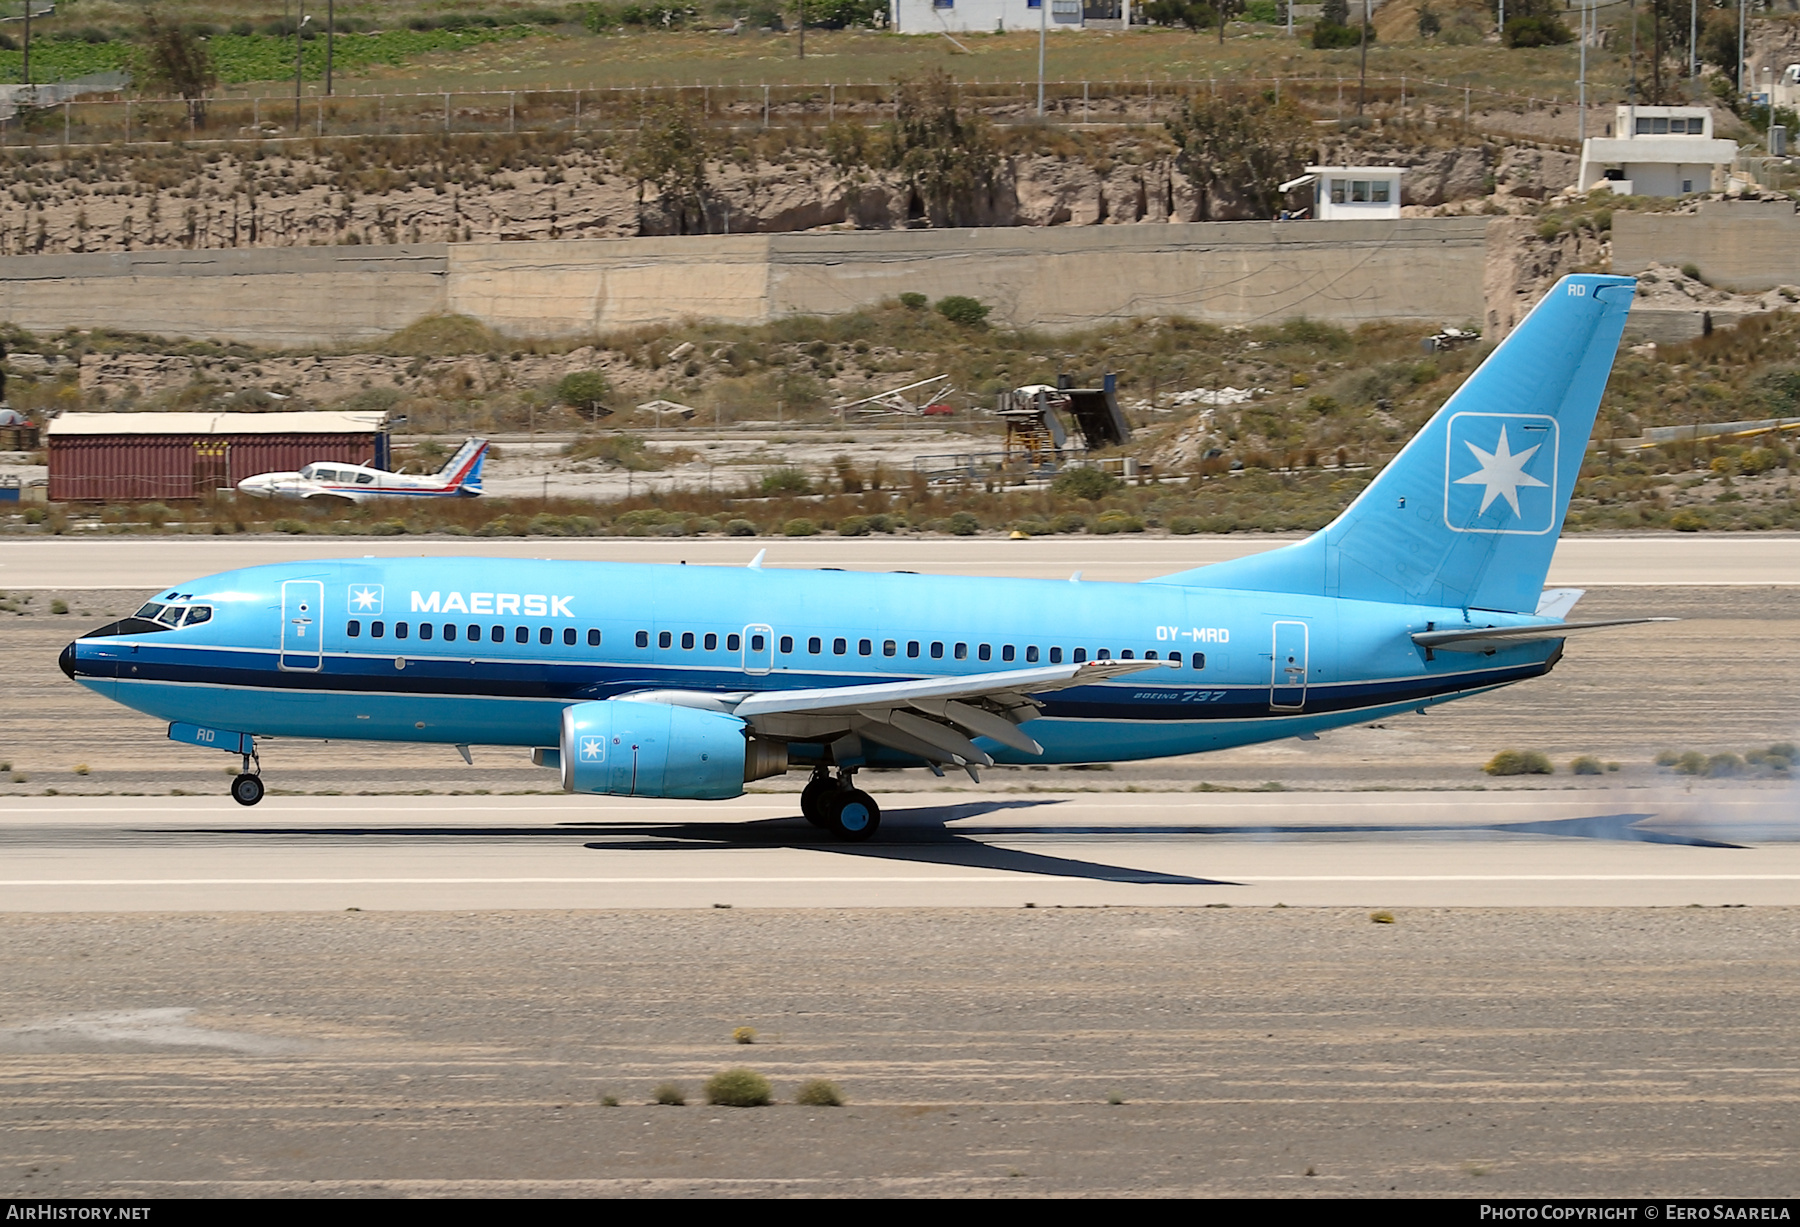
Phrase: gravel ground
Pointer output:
(1262, 1052)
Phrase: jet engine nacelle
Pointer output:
(626, 749)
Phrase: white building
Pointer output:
(1657, 151)
(986, 16)
(1352, 193)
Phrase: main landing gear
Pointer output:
(247, 788)
(836, 805)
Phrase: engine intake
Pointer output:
(623, 749)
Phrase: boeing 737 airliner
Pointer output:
(668, 681)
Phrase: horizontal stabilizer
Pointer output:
(1557, 602)
(1493, 638)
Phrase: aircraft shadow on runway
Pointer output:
(923, 835)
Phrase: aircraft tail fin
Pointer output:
(1468, 514)
(463, 472)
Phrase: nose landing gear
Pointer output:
(836, 805)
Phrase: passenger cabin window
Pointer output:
(912, 649)
(353, 628)
(593, 639)
(521, 634)
(1175, 656)
(815, 645)
(1080, 655)
(937, 651)
(732, 642)
(449, 632)
(546, 635)
(474, 633)
(840, 646)
(643, 639)
(889, 647)
(1031, 654)
(1006, 653)
(377, 629)
(711, 643)
(497, 634)
(984, 652)
(1105, 654)
(1199, 660)
(664, 639)
(568, 636)
(865, 647)
(424, 630)
(1056, 656)
(687, 641)
(757, 643)
(962, 651)
(399, 630)
(786, 644)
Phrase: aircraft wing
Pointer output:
(934, 718)
(1492, 638)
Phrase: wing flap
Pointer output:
(1010, 683)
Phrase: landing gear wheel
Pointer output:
(247, 789)
(815, 801)
(854, 815)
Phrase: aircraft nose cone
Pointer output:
(66, 662)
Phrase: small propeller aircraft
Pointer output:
(688, 682)
(355, 483)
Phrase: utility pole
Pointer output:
(1693, 39)
(1043, 29)
(802, 6)
(1362, 79)
(331, 36)
(299, 42)
(27, 72)
(1740, 67)
(1581, 127)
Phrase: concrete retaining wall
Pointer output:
(1423, 269)
(1737, 245)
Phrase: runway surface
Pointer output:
(151, 562)
(205, 854)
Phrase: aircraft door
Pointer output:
(759, 649)
(302, 625)
(1287, 669)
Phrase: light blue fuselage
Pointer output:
(264, 666)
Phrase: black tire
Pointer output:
(247, 789)
(815, 802)
(854, 815)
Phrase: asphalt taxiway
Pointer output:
(152, 562)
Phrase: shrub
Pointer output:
(962, 310)
(914, 302)
(1381, 918)
(1691, 272)
(59, 607)
(800, 528)
(81, 769)
(739, 528)
(1329, 37)
(854, 526)
(738, 1088)
(585, 392)
(1519, 762)
(786, 480)
(1090, 484)
(1587, 764)
(963, 524)
(744, 1035)
(1069, 522)
(819, 1093)
(669, 1094)
(1723, 765)
(1537, 32)
(1118, 522)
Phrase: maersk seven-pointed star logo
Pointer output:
(593, 749)
(365, 599)
(1500, 473)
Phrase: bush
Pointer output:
(962, 310)
(740, 528)
(1587, 764)
(585, 392)
(59, 607)
(1329, 37)
(669, 1094)
(738, 1088)
(1090, 484)
(854, 526)
(786, 480)
(1520, 762)
(1537, 32)
(744, 1035)
(1118, 522)
(818, 1093)
(964, 524)
(914, 302)
(800, 528)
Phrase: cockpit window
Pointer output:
(364, 479)
(198, 614)
(171, 615)
(307, 472)
(150, 610)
